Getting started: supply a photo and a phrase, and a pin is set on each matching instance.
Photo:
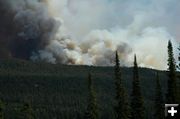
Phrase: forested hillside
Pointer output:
(55, 91)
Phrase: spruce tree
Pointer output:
(178, 78)
(92, 107)
(178, 65)
(137, 103)
(159, 103)
(122, 110)
(171, 96)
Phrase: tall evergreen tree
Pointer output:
(137, 103)
(178, 77)
(122, 110)
(178, 65)
(159, 103)
(171, 96)
(92, 107)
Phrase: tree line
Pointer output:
(135, 109)
(125, 106)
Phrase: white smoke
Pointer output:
(97, 28)
(92, 30)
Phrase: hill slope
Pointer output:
(59, 91)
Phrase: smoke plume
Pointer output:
(89, 32)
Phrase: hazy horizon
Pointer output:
(88, 32)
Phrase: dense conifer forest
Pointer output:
(89, 59)
(39, 90)
(61, 91)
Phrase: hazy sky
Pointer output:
(89, 31)
(145, 25)
(107, 14)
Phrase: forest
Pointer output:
(89, 59)
(39, 90)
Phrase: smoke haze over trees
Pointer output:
(60, 91)
(40, 38)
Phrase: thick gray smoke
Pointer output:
(89, 31)
(31, 26)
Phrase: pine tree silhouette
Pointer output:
(171, 96)
(159, 103)
(122, 110)
(137, 103)
(92, 108)
(178, 78)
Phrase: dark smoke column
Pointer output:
(25, 27)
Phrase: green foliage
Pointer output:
(122, 110)
(159, 103)
(178, 78)
(60, 91)
(92, 107)
(178, 65)
(171, 96)
(137, 103)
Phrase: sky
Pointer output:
(88, 32)
(145, 26)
